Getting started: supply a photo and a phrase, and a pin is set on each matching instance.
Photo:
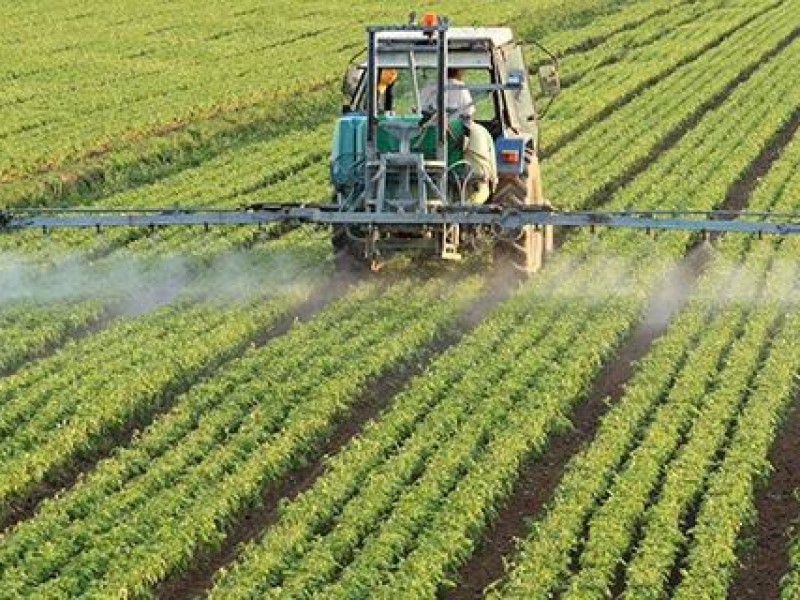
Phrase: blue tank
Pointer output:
(349, 139)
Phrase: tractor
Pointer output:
(438, 117)
(435, 153)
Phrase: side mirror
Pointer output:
(350, 80)
(549, 80)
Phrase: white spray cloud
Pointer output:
(134, 284)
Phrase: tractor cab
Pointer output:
(436, 117)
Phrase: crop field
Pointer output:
(220, 413)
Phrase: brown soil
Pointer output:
(24, 507)
(738, 196)
(767, 559)
(627, 98)
(539, 477)
(370, 404)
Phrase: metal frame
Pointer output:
(714, 221)
(410, 167)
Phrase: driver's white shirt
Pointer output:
(456, 101)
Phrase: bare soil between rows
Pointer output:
(377, 396)
(766, 561)
(82, 465)
(540, 476)
(764, 557)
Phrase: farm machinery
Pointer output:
(435, 153)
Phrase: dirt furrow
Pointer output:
(674, 136)
(83, 464)
(375, 398)
(765, 558)
(539, 477)
(638, 90)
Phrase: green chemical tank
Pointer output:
(350, 140)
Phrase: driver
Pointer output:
(458, 102)
(386, 80)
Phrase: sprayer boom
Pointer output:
(500, 221)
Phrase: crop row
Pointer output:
(663, 538)
(60, 255)
(141, 79)
(405, 559)
(77, 297)
(228, 180)
(546, 555)
(617, 81)
(679, 180)
(581, 32)
(65, 405)
(701, 419)
(631, 133)
(222, 444)
(696, 479)
(29, 331)
(365, 512)
(728, 502)
(140, 156)
(663, 24)
(608, 501)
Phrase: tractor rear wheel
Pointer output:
(348, 253)
(525, 249)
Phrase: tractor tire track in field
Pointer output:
(672, 137)
(372, 401)
(83, 463)
(766, 561)
(540, 476)
(632, 94)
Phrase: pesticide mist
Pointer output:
(135, 284)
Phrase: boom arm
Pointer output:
(319, 214)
